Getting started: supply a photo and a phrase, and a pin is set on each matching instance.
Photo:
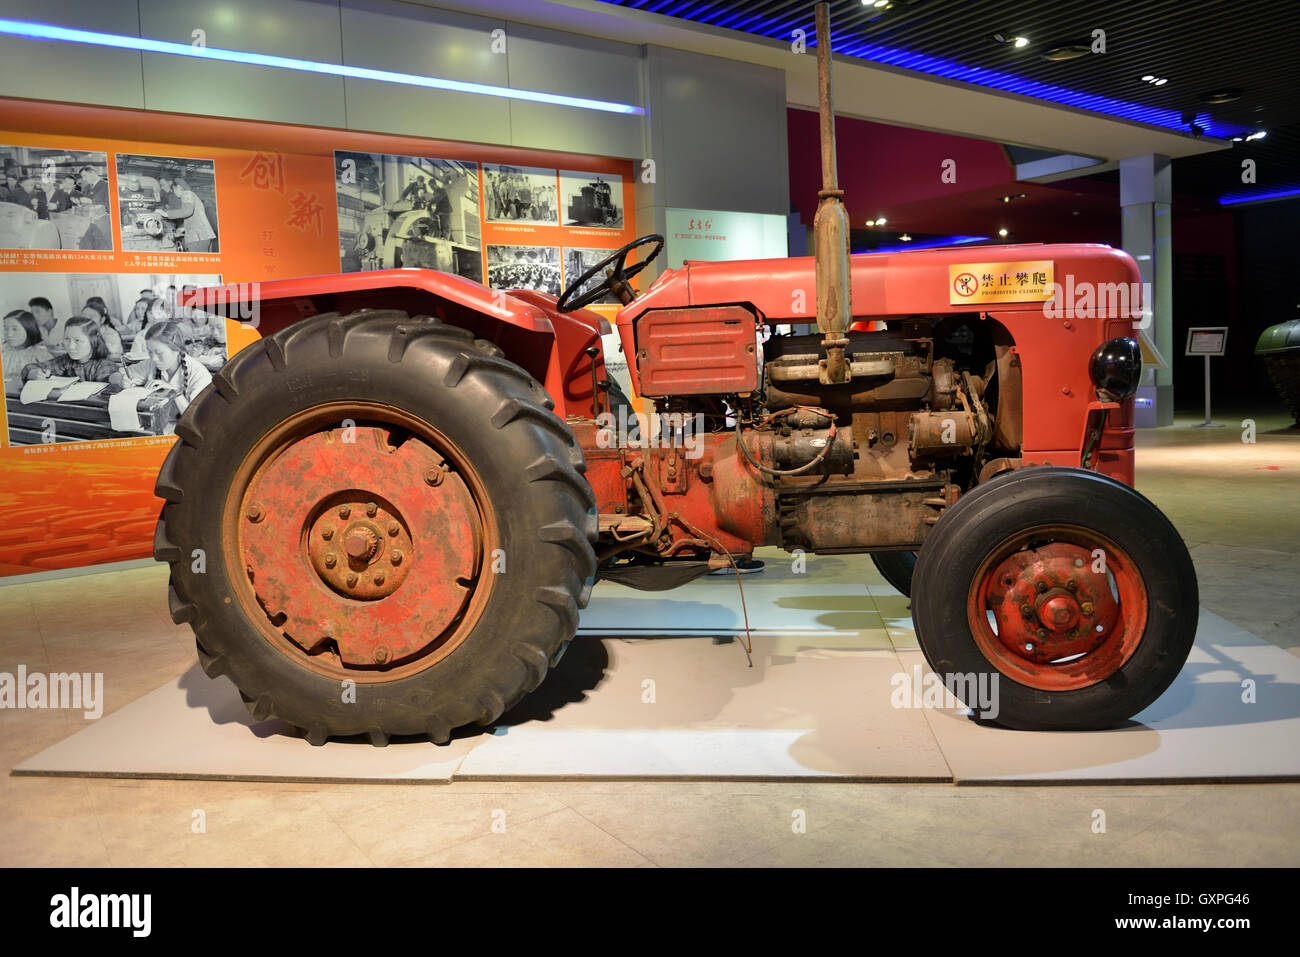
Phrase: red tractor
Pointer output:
(408, 487)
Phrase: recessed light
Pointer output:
(1238, 139)
(1070, 51)
(1022, 42)
(1226, 95)
(1002, 231)
(1258, 135)
(905, 238)
(1161, 82)
(1148, 78)
(880, 220)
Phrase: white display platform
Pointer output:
(648, 691)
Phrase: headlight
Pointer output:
(1116, 367)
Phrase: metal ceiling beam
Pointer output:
(864, 90)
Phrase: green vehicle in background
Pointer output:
(1279, 346)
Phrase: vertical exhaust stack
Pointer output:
(831, 225)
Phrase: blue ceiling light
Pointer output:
(936, 66)
(1232, 199)
(44, 31)
(934, 243)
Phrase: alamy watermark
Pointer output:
(1089, 300)
(949, 692)
(675, 430)
(240, 301)
(75, 910)
(78, 691)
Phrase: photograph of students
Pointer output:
(87, 357)
(22, 345)
(183, 375)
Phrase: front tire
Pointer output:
(395, 529)
(1065, 590)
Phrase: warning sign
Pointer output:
(1000, 282)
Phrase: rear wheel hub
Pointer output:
(355, 558)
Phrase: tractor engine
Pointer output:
(755, 446)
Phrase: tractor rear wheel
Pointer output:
(1064, 591)
(376, 525)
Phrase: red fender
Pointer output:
(549, 344)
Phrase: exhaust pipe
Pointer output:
(830, 226)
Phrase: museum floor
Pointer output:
(1234, 503)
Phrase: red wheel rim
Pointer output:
(355, 535)
(1057, 608)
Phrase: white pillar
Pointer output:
(1145, 199)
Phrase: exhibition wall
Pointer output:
(111, 212)
(375, 34)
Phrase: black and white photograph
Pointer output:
(578, 261)
(90, 356)
(524, 267)
(167, 204)
(520, 194)
(404, 211)
(592, 199)
(54, 198)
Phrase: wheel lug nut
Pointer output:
(1071, 584)
(352, 581)
(344, 512)
(1026, 611)
(394, 528)
(1042, 633)
(1086, 608)
(433, 476)
(331, 560)
(255, 513)
(381, 655)
(371, 509)
(395, 556)
(379, 578)
(1041, 586)
(327, 534)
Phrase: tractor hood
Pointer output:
(883, 284)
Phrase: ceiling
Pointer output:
(1198, 46)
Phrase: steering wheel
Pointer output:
(615, 282)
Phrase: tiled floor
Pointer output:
(1233, 502)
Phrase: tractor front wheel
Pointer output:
(1063, 593)
(376, 525)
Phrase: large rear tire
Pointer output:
(376, 525)
(1065, 590)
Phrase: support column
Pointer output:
(716, 131)
(1145, 198)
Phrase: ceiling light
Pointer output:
(1226, 95)
(45, 31)
(1258, 135)
(1070, 51)
(1148, 78)
(1022, 42)
(880, 220)
(1237, 139)
(1002, 231)
(905, 238)
(1161, 82)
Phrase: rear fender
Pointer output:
(548, 344)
